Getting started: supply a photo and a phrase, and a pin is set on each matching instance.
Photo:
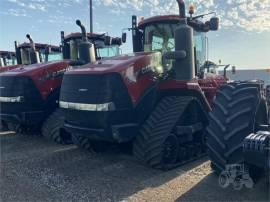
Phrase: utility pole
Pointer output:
(91, 15)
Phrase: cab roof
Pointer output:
(40, 46)
(78, 35)
(196, 24)
(159, 19)
(7, 53)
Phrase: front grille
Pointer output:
(95, 89)
(19, 86)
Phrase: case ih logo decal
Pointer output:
(145, 70)
(51, 75)
(133, 76)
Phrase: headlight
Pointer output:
(87, 107)
(11, 99)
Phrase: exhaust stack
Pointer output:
(183, 56)
(182, 8)
(86, 48)
(34, 55)
(31, 41)
(83, 30)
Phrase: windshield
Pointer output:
(108, 51)
(101, 49)
(51, 57)
(160, 37)
(26, 57)
(8, 60)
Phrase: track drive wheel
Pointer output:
(53, 128)
(237, 111)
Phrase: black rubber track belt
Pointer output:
(82, 142)
(231, 120)
(51, 127)
(147, 146)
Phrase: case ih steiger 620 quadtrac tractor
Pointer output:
(158, 97)
(29, 94)
(30, 53)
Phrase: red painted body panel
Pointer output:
(7, 68)
(128, 66)
(190, 85)
(42, 75)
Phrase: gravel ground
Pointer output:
(35, 169)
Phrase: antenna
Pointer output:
(91, 15)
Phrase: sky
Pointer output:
(243, 39)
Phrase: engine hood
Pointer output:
(8, 68)
(29, 70)
(120, 64)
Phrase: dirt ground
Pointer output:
(35, 169)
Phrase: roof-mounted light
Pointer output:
(191, 9)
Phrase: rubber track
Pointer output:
(147, 145)
(82, 142)
(231, 120)
(51, 127)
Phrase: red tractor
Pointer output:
(28, 53)
(29, 94)
(158, 97)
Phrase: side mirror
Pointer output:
(214, 23)
(116, 41)
(175, 55)
(108, 40)
(233, 69)
(124, 37)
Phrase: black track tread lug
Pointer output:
(215, 137)
(81, 142)
(50, 128)
(147, 145)
(228, 128)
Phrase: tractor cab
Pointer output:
(157, 34)
(7, 58)
(31, 53)
(104, 46)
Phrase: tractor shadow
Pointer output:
(41, 170)
(208, 189)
